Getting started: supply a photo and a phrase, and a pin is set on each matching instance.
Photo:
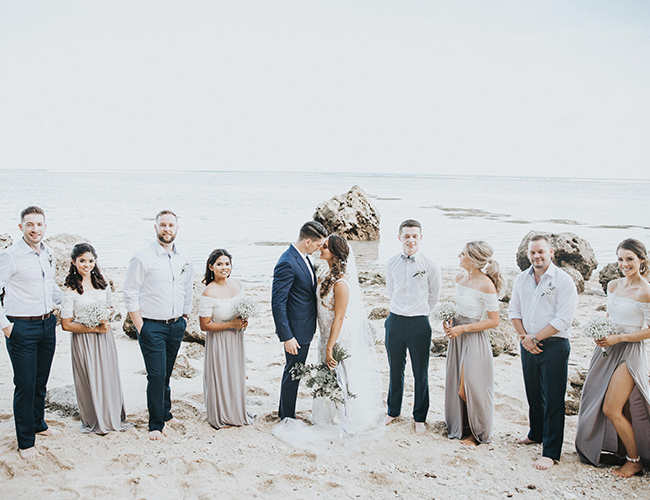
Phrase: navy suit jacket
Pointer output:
(293, 298)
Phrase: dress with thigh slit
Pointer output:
(471, 353)
(595, 433)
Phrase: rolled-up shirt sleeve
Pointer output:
(514, 308)
(6, 270)
(567, 304)
(133, 280)
(189, 289)
(435, 283)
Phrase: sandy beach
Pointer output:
(197, 461)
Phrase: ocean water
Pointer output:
(255, 215)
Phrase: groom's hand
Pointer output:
(292, 346)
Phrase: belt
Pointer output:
(170, 321)
(31, 318)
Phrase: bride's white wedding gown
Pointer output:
(362, 415)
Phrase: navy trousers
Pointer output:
(412, 333)
(31, 349)
(289, 387)
(159, 344)
(545, 378)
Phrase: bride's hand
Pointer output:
(329, 359)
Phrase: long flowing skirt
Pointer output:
(224, 379)
(96, 373)
(471, 353)
(595, 432)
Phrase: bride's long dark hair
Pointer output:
(340, 251)
(74, 279)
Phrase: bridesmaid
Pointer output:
(615, 403)
(95, 367)
(469, 385)
(224, 374)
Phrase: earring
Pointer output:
(642, 267)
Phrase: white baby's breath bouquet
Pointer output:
(321, 380)
(246, 307)
(93, 315)
(445, 311)
(599, 328)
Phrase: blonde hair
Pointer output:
(480, 253)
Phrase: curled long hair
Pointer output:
(340, 251)
(74, 280)
(212, 258)
(639, 250)
(480, 253)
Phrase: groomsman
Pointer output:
(413, 282)
(158, 295)
(27, 276)
(544, 301)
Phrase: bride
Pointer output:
(342, 321)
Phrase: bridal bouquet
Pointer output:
(94, 314)
(445, 311)
(599, 328)
(321, 380)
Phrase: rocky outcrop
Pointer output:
(577, 278)
(572, 402)
(62, 399)
(129, 328)
(193, 331)
(351, 215)
(379, 313)
(5, 241)
(183, 368)
(570, 251)
(608, 273)
(62, 244)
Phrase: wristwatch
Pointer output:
(534, 339)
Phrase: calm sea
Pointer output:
(254, 215)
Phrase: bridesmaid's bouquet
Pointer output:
(246, 307)
(95, 314)
(599, 328)
(445, 311)
(321, 380)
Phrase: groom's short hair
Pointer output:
(312, 230)
(410, 223)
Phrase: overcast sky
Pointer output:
(498, 87)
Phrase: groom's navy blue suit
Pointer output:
(293, 301)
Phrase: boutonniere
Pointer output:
(420, 273)
(184, 268)
(549, 290)
(50, 259)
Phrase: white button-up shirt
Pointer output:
(551, 302)
(413, 284)
(28, 280)
(305, 257)
(159, 284)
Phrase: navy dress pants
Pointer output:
(289, 387)
(545, 378)
(159, 343)
(412, 333)
(31, 349)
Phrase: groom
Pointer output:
(293, 302)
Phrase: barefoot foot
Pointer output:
(469, 441)
(525, 440)
(155, 436)
(629, 469)
(389, 419)
(420, 428)
(29, 453)
(50, 432)
(544, 463)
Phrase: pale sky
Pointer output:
(498, 87)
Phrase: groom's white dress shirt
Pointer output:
(159, 284)
(305, 257)
(28, 280)
(551, 302)
(413, 284)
